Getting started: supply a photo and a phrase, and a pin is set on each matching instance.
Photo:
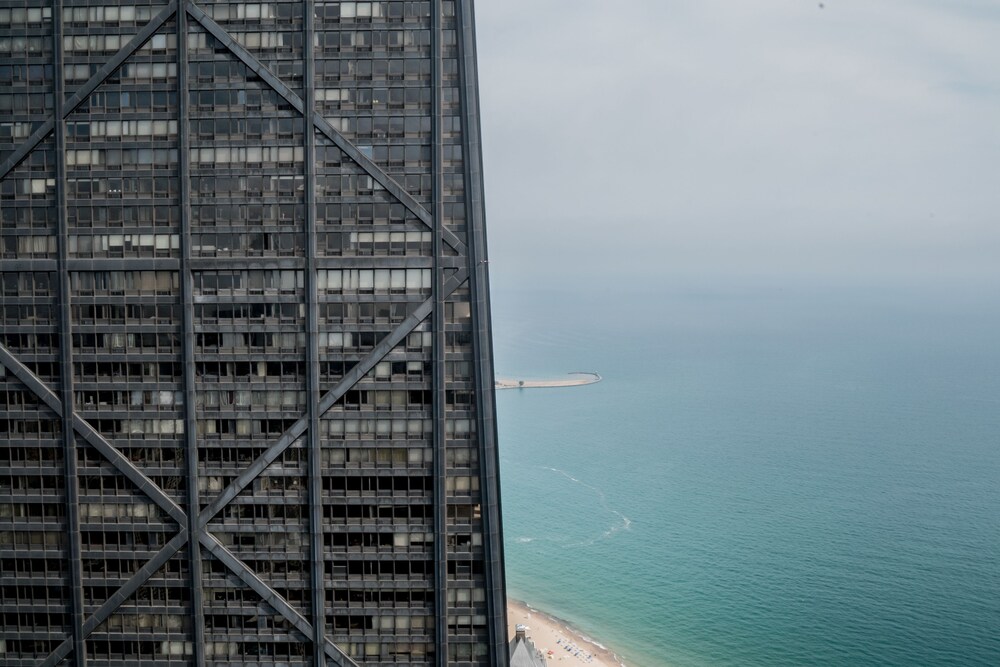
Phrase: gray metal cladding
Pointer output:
(246, 383)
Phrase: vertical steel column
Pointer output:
(187, 342)
(482, 335)
(312, 345)
(438, 351)
(66, 350)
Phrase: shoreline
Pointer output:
(586, 377)
(569, 646)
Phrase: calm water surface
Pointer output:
(763, 477)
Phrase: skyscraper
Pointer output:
(246, 385)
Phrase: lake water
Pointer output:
(764, 476)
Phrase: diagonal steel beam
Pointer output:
(99, 77)
(112, 604)
(396, 190)
(127, 468)
(320, 123)
(349, 380)
(30, 380)
(80, 425)
(29, 145)
(271, 596)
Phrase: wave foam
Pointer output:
(623, 523)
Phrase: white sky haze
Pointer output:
(769, 138)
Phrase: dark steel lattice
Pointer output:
(246, 384)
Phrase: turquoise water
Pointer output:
(763, 477)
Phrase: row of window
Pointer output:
(89, 511)
(374, 39)
(254, 341)
(34, 458)
(39, 594)
(340, 342)
(108, 14)
(113, 101)
(11, 187)
(85, 190)
(243, 427)
(28, 246)
(50, 568)
(375, 127)
(338, 243)
(33, 511)
(30, 214)
(23, 16)
(393, 68)
(241, 156)
(246, 312)
(254, 11)
(135, 398)
(30, 429)
(124, 282)
(22, 46)
(229, 127)
(236, 186)
(286, 243)
(381, 311)
(241, 186)
(127, 371)
(140, 72)
(239, 371)
(133, 313)
(12, 397)
(105, 484)
(394, 10)
(285, 40)
(235, 99)
(126, 622)
(118, 245)
(373, 280)
(103, 129)
(34, 74)
(109, 44)
(385, 513)
(349, 429)
(113, 158)
(397, 485)
(380, 625)
(381, 540)
(399, 97)
(139, 427)
(30, 314)
(28, 283)
(250, 281)
(237, 213)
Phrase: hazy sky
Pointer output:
(766, 139)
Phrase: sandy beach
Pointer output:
(577, 379)
(567, 645)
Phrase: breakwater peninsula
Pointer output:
(578, 378)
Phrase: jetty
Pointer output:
(579, 378)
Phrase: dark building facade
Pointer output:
(246, 384)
